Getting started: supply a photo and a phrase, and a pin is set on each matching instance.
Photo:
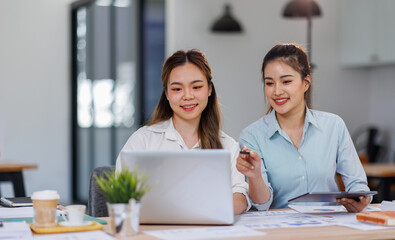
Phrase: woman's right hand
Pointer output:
(249, 164)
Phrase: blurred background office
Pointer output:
(63, 111)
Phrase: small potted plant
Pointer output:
(123, 192)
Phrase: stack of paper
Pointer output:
(387, 205)
(15, 230)
(20, 212)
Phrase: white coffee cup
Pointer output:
(75, 215)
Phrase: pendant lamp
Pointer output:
(227, 23)
(303, 9)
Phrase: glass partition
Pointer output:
(117, 52)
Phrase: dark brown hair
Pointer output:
(294, 56)
(209, 131)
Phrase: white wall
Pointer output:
(35, 84)
(351, 93)
(35, 90)
(382, 106)
(236, 59)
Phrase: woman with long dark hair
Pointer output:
(188, 117)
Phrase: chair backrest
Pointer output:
(97, 206)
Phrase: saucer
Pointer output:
(68, 224)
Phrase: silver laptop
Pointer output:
(188, 187)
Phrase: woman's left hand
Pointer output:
(353, 206)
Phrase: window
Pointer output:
(117, 53)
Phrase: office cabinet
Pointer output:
(367, 32)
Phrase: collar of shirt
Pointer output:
(167, 127)
(274, 127)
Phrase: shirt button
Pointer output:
(302, 177)
(300, 157)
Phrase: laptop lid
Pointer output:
(188, 187)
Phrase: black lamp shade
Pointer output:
(301, 8)
(226, 23)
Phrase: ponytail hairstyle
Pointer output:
(294, 56)
(209, 130)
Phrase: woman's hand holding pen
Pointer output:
(249, 163)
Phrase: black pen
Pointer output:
(248, 160)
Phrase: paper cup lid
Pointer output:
(44, 195)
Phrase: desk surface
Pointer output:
(379, 169)
(303, 233)
(15, 167)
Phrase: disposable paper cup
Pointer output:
(44, 208)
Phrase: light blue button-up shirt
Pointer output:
(326, 148)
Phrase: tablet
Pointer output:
(16, 202)
(330, 196)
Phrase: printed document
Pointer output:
(89, 235)
(281, 219)
(325, 208)
(202, 233)
(15, 230)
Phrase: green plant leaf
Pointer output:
(121, 186)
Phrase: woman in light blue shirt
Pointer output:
(293, 149)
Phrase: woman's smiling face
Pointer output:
(285, 88)
(187, 92)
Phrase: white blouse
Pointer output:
(163, 136)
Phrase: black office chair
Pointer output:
(97, 206)
(368, 140)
